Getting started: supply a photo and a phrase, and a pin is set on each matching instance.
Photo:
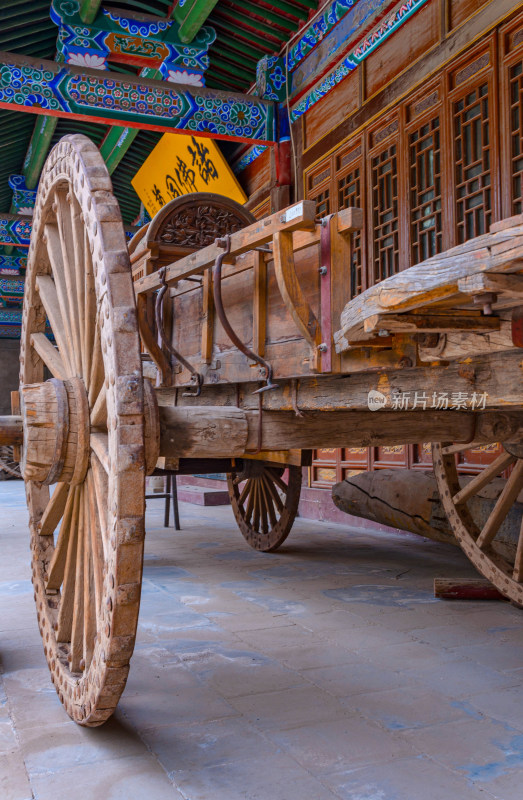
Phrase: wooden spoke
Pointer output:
(451, 449)
(485, 477)
(54, 509)
(97, 547)
(56, 568)
(245, 491)
(502, 507)
(263, 506)
(278, 481)
(89, 313)
(49, 298)
(49, 355)
(54, 252)
(518, 562)
(257, 504)
(65, 614)
(250, 502)
(278, 502)
(86, 577)
(99, 412)
(269, 501)
(100, 446)
(97, 374)
(488, 544)
(265, 516)
(77, 626)
(99, 476)
(69, 253)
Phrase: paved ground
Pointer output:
(324, 671)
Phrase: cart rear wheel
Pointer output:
(482, 541)
(83, 432)
(7, 462)
(265, 500)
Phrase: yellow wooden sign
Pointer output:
(180, 164)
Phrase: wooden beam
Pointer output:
(77, 93)
(224, 432)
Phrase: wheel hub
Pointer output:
(55, 419)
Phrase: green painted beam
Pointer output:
(191, 16)
(38, 149)
(116, 144)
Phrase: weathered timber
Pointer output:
(428, 323)
(219, 431)
(10, 430)
(410, 500)
(465, 589)
(433, 281)
(450, 346)
(496, 376)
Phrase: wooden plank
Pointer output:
(428, 323)
(259, 309)
(207, 317)
(466, 589)
(298, 217)
(492, 282)
(292, 294)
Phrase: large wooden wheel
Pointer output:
(481, 540)
(264, 500)
(83, 432)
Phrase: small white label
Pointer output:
(294, 212)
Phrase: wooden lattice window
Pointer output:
(349, 196)
(472, 164)
(323, 203)
(516, 136)
(426, 228)
(385, 219)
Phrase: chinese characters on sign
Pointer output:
(437, 401)
(179, 165)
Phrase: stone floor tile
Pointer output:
(279, 778)
(160, 703)
(188, 748)
(502, 704)
(461, 678)
(302, 706)
(478, 749)
(133, 778)
(404, 779)
(68, 744)
(330, 745)
(408, 707)
(357, 677)
(14, 783)
(500, 657)
(32, 698)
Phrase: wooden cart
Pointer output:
(254, 354)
